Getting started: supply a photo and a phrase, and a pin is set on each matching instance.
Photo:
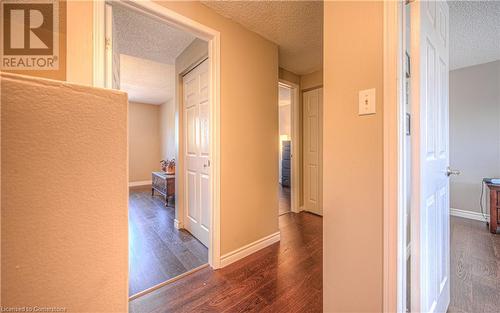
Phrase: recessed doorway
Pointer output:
(151, 52)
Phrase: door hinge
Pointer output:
(408, 124)
(407, 65)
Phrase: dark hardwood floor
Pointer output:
(474, 268)
(287, 276)
(157, 250)
(284, 200)
(284, 277)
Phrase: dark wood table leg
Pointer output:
(493, 211)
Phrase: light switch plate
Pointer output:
(367, 102)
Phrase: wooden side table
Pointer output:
(164, 184)
(494, 207)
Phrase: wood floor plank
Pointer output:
(474, 268)
(287, 276)
(284, 199)
(158, 251)
(286, 272)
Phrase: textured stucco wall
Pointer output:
(64, 196)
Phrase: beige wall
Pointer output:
(249, 128)
(289, 76)
(64, 196)
(352, 158)
(249, 154)
(144, 140)
(312, 80)
(474, 131)
(79, 42)
(167, 130)
(195, 52)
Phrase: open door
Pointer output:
(430, 191)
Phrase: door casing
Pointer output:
(394, 161)
(101, 70)
(295, 138)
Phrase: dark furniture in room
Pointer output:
(494, 207)
(285, 163)
(164, 184)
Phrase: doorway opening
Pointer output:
(288, 147)
(285, 148)
(168, 65)
(449, 120)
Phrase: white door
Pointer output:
(313, 117)
(197, 152)
(431, 193)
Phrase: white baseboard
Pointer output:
(177, 224)
(299, 209)
(253, 247)
(469, 214)
(139, 183)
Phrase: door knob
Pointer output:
(450, 172)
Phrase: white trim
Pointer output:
(139, 183)
(201, 31)
(470, 215)
(167, 282)
(393, 282)
(178, 224)
(248, 249)
(295, 123)
(108, 47)
(99, 44)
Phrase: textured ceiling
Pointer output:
(474, 32)
(146, 81)
(296, 26)
(144, 37)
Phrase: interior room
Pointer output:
(474, 100)
(285, 144)
(474, 156)
(148, 59)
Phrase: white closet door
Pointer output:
(197, 152)
(312, 122)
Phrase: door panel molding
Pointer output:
(312, 150)
(197, 153)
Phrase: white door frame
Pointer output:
(213, 38)
(394, 117)
(295, 130)
(394, 281)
